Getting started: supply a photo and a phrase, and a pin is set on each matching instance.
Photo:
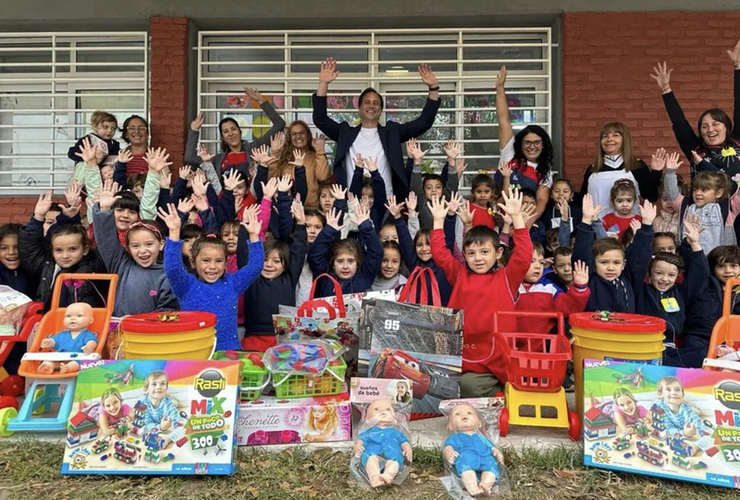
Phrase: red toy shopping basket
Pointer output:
(536, 362)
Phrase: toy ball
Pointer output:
(9, 402)
(13, 385)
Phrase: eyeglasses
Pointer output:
(302, 133)
(532, 144)
(136, 129)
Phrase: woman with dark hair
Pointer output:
(526, 159)
(235, 152)
(616, 160)
(131, 159)
(717, 140)
(299, 138)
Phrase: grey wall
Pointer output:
(20, 15)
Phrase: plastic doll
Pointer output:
(470, 451)
(77, 338)
(322, 419)
(383, 440)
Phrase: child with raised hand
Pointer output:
(211, 289)
(484, 193)
(142, 284)
(346, 263)
(104, 126)
(538, 294)
(416, 251)
(377, 189)
(615, 272)
(622, 197)
(711, 204)
(275, 286)
(662, 296)
(69, 252)
(480, 290)
(315, 222)
(433, 186)
(389, 276)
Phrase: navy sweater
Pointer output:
(617, 295)
(264, 296)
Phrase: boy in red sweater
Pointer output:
(479, 289)
(537, 294)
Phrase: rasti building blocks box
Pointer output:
(674, 423)
(153, 417)
(272, 420)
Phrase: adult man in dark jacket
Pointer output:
(370, 138)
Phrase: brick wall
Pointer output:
(607, 61)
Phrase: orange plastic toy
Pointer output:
(726, 331)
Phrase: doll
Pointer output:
(77, 338)
(470, 451)
(382, 441)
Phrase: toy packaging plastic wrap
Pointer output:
(153, 417)
(382, 450)
(306, 368)
(676, 423)
(13, 306)
(474, 464)
(273, 420)
(422, 344)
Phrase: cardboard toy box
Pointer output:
(199, 440)
(270, 420)
(654, 440)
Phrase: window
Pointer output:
(49, 86)
(284, 67)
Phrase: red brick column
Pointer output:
(169, 86)
(607, 61)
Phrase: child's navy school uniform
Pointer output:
(617, 295)
(113, 147)
(264, 296)
(318, 259)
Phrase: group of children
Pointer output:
(243, 232)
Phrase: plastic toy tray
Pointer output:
(254, 376)
(298, 386)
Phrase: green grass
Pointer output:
(29, 469)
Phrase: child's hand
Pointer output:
(394, 208)
(465, 214)
(635, 225)
(185, 205)
(333, 217)
(365, 202)
(460, 167)
(88, 153)
(43, 205)
(72, 209)
(200, 202)
(276, 142)
(452, 150)
(269, 190)
(296, 209)
(672, 162)
(184, 173)
(157, 159)
(564, 208)
(108, 195)
(125, 156)
(413, 150)
(261, 155)
(298, 158)
(590, 212)
(47, 343)
(231, 179)
(692, 232)
(284, 183)
(658, 160)
(73, 191)
(696, 158)
(203, 153)
(165, 179)
(337, 192)
(411, 202)
(501, 78)
(170, 217)
(513, 201)
(200, 183)
(358, 160)
(361, 215)
(580, 274)
(454, 203)
(252, 224)
(370, 164)
(505, 170)
(529, 212)
(198, 122)
(165, 423)
(648, 212)
(89, 348)
(438, 208)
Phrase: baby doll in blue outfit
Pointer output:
(77, 338)
(470, 451)
(382, 441)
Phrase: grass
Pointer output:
(29, 469)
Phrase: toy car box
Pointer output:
(271, 420)
(153, 417)
(662, 421)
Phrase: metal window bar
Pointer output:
(45, 81)
(279, 63)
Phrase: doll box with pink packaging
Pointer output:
(270, 420)
(676, 423)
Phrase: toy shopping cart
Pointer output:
(536, 365)
(50, 389)
(13, 386)
(726, 331)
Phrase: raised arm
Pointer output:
(373, 249)
(505, 130)
(327, 74)
(735, 58)
(247, 274)
(639, 252)
(278, 123)
(191, 147)
(687, 139)
(104, 225)
(425, 120)
(317, 254)
(299, 245)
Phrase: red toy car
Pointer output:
(425, 378)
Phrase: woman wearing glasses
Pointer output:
(526, 158)
(285, 160)
(136, 134)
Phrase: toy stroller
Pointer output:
(45, 390)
